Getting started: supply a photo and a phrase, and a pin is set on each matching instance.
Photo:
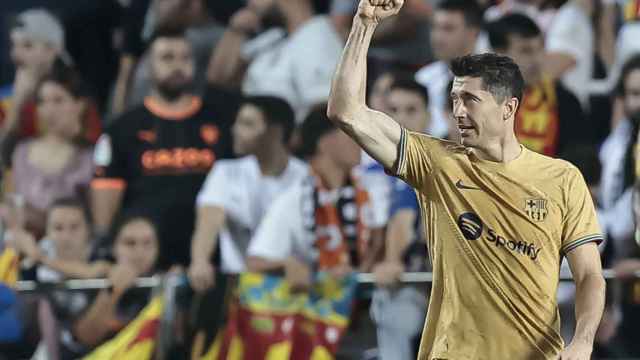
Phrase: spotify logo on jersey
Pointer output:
(470, 225)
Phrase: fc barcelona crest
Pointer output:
(536, 209)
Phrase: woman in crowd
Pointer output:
(55, 164)
(73, 323)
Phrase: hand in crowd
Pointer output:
(249, 18)
(298, 274)
(377, 10)
(387, 273)
(626, 268)
(202, 275)
(25, 243)
(339, 272)
(122, 277)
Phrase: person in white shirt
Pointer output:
(455, 32)
(294, 61)
(322, 223)
(237, 192)
(570, 46)
(616, 156)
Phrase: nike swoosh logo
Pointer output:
(460, 185)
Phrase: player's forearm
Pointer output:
(590, 298)
(348, 90)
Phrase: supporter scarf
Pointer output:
(537, 121)
(631, 10)
(336, 217)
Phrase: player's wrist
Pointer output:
(365, 20)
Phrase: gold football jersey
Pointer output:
(496, 234)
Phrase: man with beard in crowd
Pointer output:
(154, 159)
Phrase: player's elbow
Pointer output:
(341, 112)
(335, 111)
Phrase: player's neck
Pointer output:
(273, 160)
(181, 102)
(331, 174)
(501, 151)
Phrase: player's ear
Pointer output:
(509, 109)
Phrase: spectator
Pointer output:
(399, 310)
(616, 156)
(620, 321)
(65, 249)
(377, 97)
(408, 103)
(37, 47)
(570, 46)
(392, 93)
(322, 222)
(154, 158)
(57, 163)
(550, 118)
(201, 30)
(297, 67)
(236, 194)
(135, 250)
(455, 30)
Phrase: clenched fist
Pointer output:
(377, 10)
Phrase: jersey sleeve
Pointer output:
(580, 224)
(417, 157)
(110, 163)
(280, 229)
(214, 190)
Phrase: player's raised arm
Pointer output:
(377, 133)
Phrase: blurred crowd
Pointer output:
(190, 136)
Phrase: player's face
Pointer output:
(68, 230)
(528, 53)
(137, 246)
(60, 111)
(28, 53)
(450, 36)
(248, 130)
(632, 96)
(408, 109)
(172, 66)
(341, 149)
(477, 114)
(380, 91)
